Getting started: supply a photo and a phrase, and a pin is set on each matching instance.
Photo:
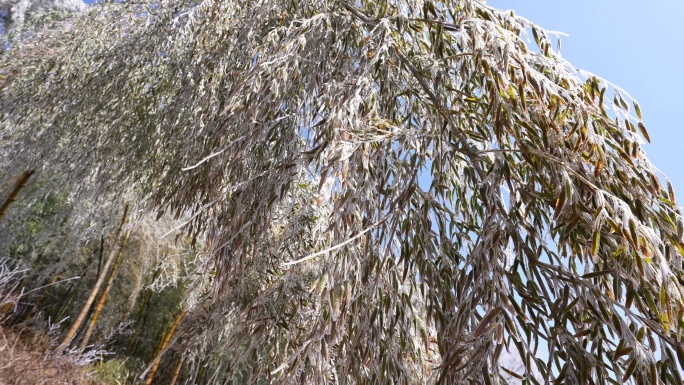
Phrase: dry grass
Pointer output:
(25, 358)
(27, 355)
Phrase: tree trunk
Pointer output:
(103, 297)
(18, 186)
(89, 302)
(165, 343)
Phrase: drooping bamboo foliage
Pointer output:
(394, 191)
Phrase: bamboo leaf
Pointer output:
(596, 240)
(630, 369)
(638, 110)
(644, 133)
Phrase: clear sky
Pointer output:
(637, 45)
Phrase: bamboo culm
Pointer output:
(103, 297)
(89, 302)
(176, 372)
(165, 343)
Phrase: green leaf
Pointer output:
(638, 110)
(644, 133)
(595, 274)
(680, 248)
(629, 370)
(596, 240)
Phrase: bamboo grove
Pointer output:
(374, 191)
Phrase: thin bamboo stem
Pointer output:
(73, 289)
(202, 370)
(165, 343)
(176, 372)
(101, 254)
(103, 297)
(89, 302)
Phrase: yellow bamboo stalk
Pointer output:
(22, 181)
(176, 372)
(103, 297)
(89, 302)
(165, 343)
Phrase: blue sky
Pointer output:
(636, 45)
